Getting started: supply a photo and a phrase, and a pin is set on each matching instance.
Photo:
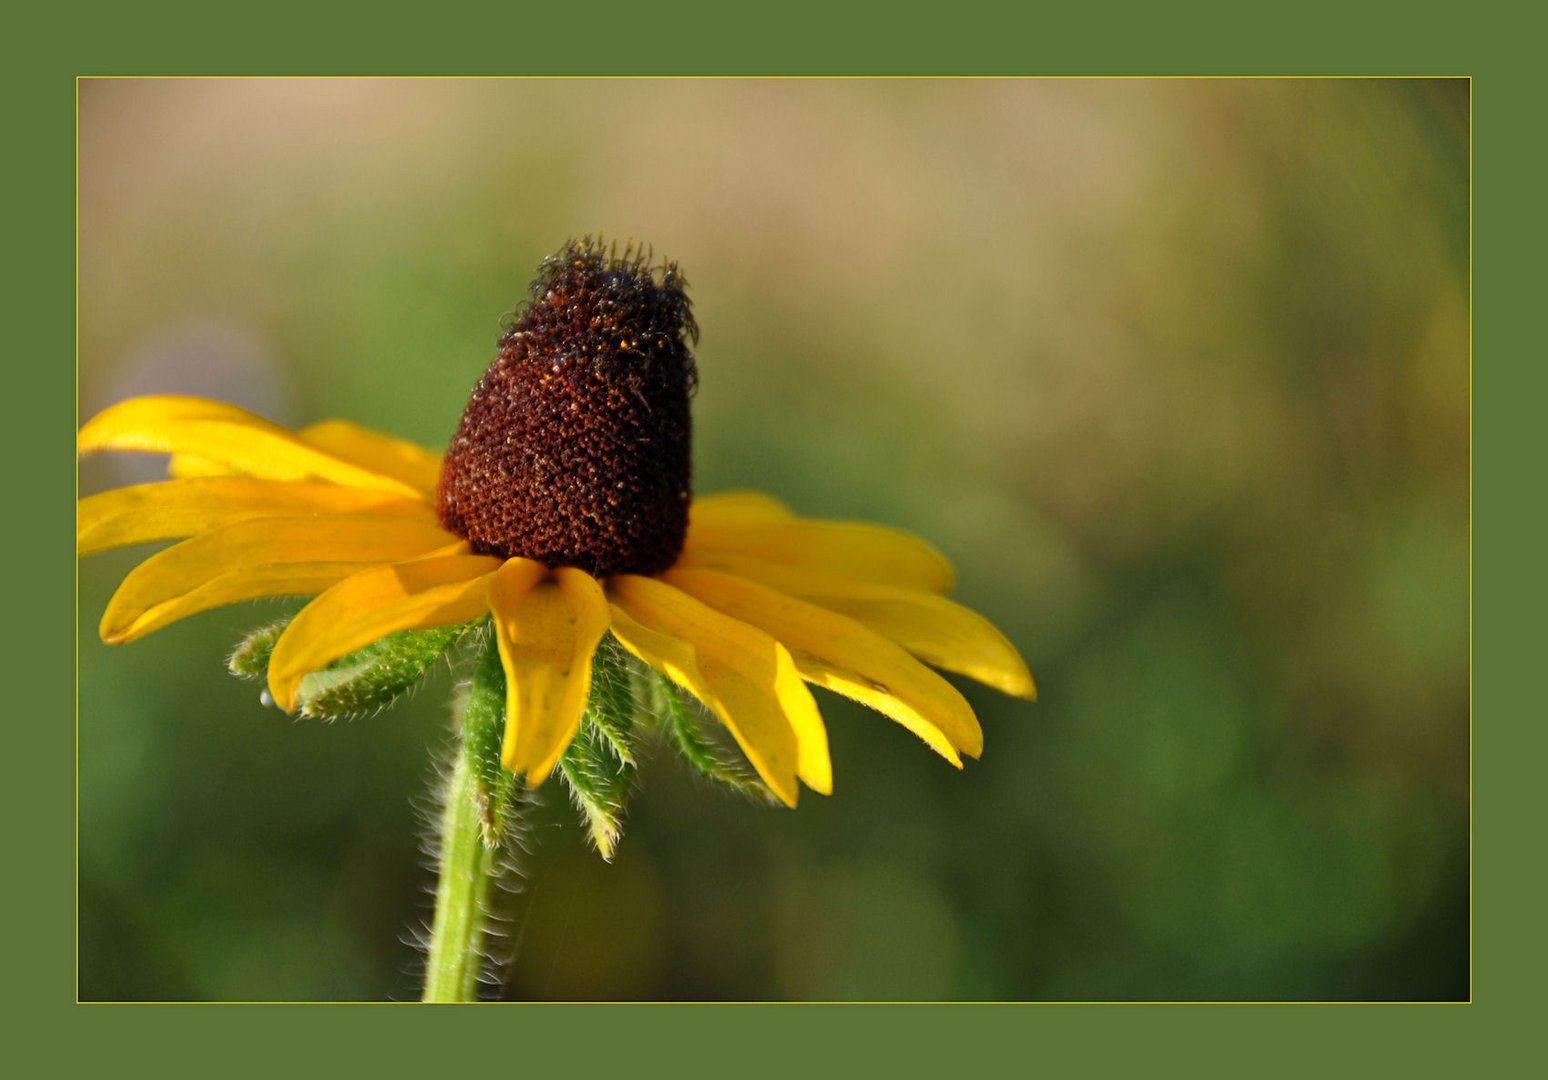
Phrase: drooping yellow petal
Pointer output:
(174, 509)
(260, 557)
(938, 631)
(737, 507)
(231, 587)
(397, 458)
(844, 656)
(837, 548)
(223, 434)
(440, 590)
(547, 632)
(742, 675)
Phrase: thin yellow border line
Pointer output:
(838, 77)
(1470, 905)
(76, 419)
(1126, 78)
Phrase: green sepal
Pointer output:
(610, 703)
(706, 754)
(599, 764)
(250, 659)
(483, 733)
(373, 677)
(599, 784)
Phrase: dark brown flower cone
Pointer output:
(574, 449)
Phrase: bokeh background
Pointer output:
(1176, 373)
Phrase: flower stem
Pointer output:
(461, 894)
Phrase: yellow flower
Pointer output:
(529, 519)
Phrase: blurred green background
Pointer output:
(1175, 372)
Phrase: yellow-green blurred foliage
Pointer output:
(1175, 372)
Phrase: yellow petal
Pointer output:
(742, 675)
(401, 460)
(405, 461)
(186, 466)
(231, 587)
(177, 508)
(225, 435)
(942, 633)
(547, 632)
(737, 507)
(840, 654)
(436, 591)
(838, 548)
(259, 557)
(939, 631)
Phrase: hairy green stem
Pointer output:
(461, 894)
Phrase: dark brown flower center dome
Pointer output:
(574, 448)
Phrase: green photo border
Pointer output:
(285, 38)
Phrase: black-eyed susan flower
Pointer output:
(562, 511)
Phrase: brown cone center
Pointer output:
(574, 448)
